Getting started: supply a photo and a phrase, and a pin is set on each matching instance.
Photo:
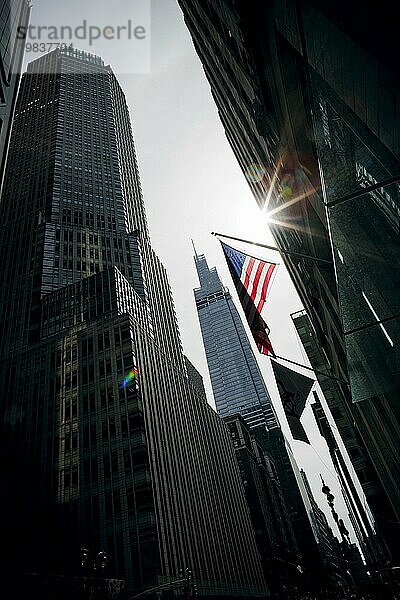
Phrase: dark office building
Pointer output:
(274, 533)
(361, 520)
(106, 444)
(13, 14)
(195, 379)
(328, 544)
(308, 95)
(315, 560)
(361, 579)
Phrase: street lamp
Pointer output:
(94, 563)
(190, 589)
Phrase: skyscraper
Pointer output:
(13, 14)
(236, 379)
(274, 532)
(239, 387)
(308, 97)
(105, 442)
(300, 511)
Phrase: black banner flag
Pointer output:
(294, 390)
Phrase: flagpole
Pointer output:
(293, 362)
(286, 252)
(273, 355)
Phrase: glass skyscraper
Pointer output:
(236, 380)
(105, 442)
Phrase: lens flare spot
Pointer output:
(133, 373)
(255, 173)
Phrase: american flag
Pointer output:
(251, 277)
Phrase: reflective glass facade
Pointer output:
(307, 95)
(105, 442)
(236, 380)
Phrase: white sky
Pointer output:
(193, 185)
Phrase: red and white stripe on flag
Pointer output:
(256, 276)
(251, 277)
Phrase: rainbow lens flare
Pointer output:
(254, 173)
(130, 377)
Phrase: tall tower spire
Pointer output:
(194, 249)
(235, 375)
